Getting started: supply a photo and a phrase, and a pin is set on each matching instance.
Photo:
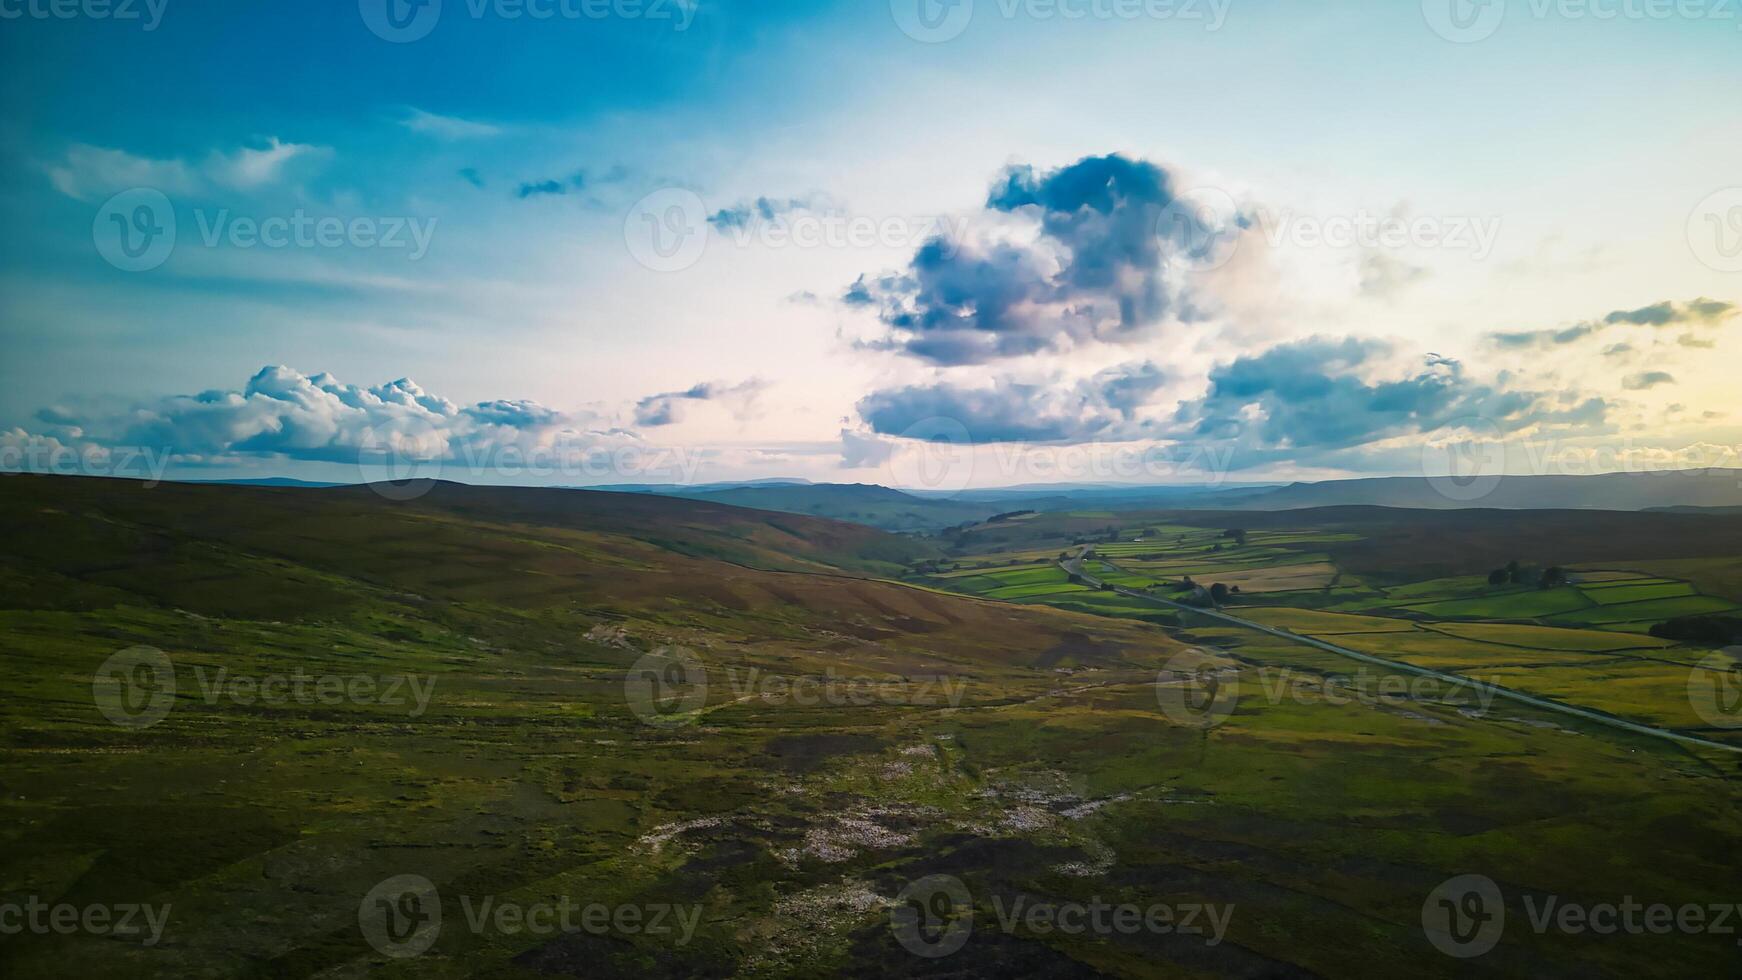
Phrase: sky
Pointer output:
(923, 243)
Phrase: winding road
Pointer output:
(1074, 566)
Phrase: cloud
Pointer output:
(1087, 264)
(1543, 338)
(667, 407)
(447, 127)
(1320, 394)
(1696, 341)
(94, 171)
(1384, 275)
(767, 209)
(471, 176)
(1616, 350)
(1105, 406)
(283, 414)
(862, 449)
(1647, 379)
(575, 181)
(1700, 312)
(1666, 313)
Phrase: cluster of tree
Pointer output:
(1238, 534)
(1515, 574)
(1714, 631)
(1008, 515)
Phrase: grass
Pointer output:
(1322, 810)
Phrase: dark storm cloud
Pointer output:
(1094, 273)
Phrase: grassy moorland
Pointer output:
(835, 736)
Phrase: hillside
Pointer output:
(875, 506)
(654, 703)
(1605, 491)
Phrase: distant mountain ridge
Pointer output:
(1603, 491)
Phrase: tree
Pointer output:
(1514, 574)
(1497, 577)
(1553, 576)
(1238, 534)
(1218, 593)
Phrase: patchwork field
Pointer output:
(1474, 622)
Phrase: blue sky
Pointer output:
(486, 190)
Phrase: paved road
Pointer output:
(1075, 567)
